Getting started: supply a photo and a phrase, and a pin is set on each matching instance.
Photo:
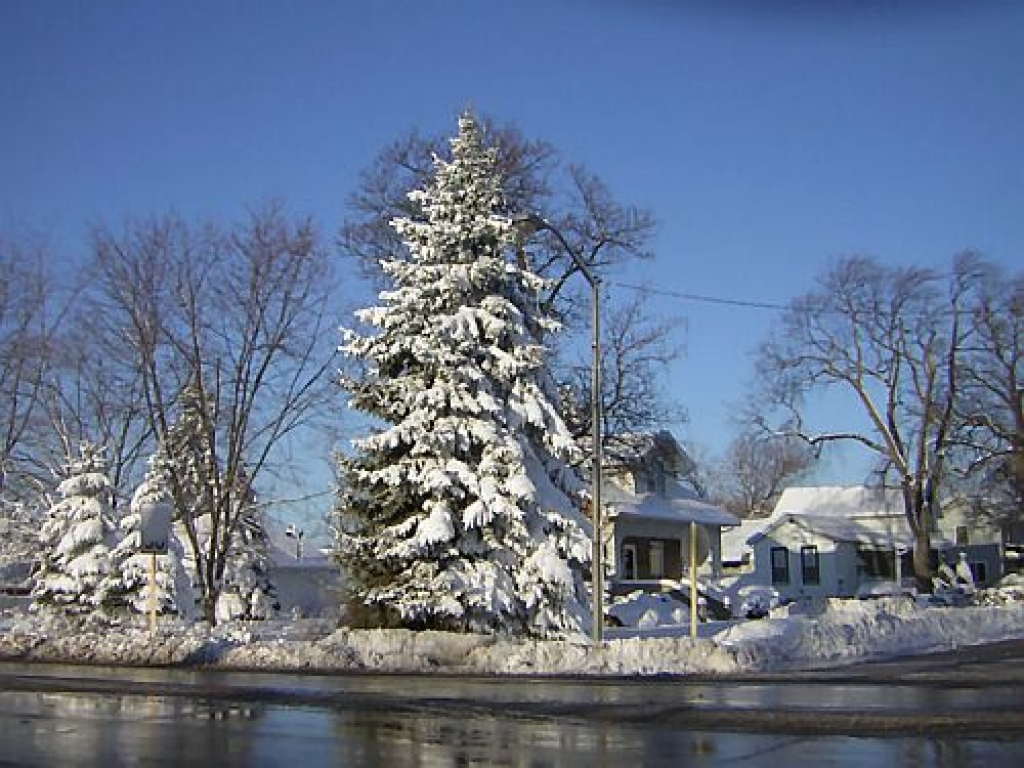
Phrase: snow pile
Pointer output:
(644, 610)
(1011, 591)
(828, 633)
(836, 632)
(678, 655)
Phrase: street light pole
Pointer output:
(527, 225)
(595, 417)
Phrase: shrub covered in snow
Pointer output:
(644, 610)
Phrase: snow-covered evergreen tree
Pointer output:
(127, 585)
(459, 512)
(192, 490)
(248, 590)
(76, 537)
(225, 547)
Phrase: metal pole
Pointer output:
(596, 417)
(532, 223)
(693, 579)
(152, 593)
(898, 551)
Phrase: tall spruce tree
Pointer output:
(76, 537)
(459, 511)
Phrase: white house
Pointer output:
(651, 514)
(844, 541)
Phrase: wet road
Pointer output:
(959, 709)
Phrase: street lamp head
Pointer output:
(526, 224)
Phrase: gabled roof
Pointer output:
(845, 502)
(280, 557)
(884, 534)
(838, 529)
(676, 505)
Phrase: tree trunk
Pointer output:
(209, 602)
(922, 561)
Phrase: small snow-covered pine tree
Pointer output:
(248, 592)
(127, 585)
(459, 512)
(76, 537)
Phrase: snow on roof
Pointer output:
(840, 502)
(884, 534)
(734, 540)
(674, 506)
(839, 529)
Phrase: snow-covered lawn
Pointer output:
(832, 633)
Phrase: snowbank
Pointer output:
(829, 633)
(838, 632)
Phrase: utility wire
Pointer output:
(702, 299)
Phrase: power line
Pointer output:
(703, 299)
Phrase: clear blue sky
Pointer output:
(768, 138)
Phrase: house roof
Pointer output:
(632, 449)
(734, 540)
(827, 510)
(677, 505)
(885, 533)
(281, 557)
(846, 502)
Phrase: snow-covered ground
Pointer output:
(831, 633)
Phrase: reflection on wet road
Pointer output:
(92, 716)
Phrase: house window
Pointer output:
(979, 572)
(810, 567)
(876, 563)
(962, 537)
(657, 556)
(652, 478)
(629, 562)
(780, 565)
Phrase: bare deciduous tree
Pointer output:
(238, 320)
(636, 351)
(991, 406)
(891, 340)
(757, 468)
(96, 396)
(30, 317)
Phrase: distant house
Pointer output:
(308, 586)
(845, 541)
(650, 510)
